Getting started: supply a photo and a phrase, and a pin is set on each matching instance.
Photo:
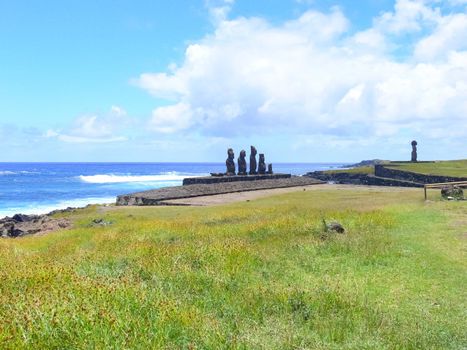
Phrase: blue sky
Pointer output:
(184, 80)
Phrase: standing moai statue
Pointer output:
(242, 163)
(414, 151)
(229, 163)
(253, 161)
(262, 164)
(270, 169)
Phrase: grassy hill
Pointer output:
(262, 274)
(457, 168)
(357, 170)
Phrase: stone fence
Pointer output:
(383, 171)
(360, 179)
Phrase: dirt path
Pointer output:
(220, 199)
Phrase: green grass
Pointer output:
(356, 170)
(253, 275)
(456, 168)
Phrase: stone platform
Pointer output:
(158, 196)
(233, 178)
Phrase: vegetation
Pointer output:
(456, 168)
(263, 274)
(356, 170)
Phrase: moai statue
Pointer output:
(270, 169)
(253, 161)
(414, 151)
(229, 163)
(242, 163)
(262, 164)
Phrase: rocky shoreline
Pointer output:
(20, 225)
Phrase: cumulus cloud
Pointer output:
(408, 16)
(313, 75)
(93, 128)
(171, 118)
(219, 9)
(449, 36)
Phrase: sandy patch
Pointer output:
(220, 199)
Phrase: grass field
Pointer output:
(254, 275)
(356, 170)
(457, 168)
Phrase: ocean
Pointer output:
(38, 188)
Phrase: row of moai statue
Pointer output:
(254, 168)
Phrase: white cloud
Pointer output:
(219, 9)
(408, 16)
(318, 25)
(163, 85)
(118, 111)
(171, 118)
(450, 35)
(78, 139)
(371, 39)
(93, 128)
(311, 75)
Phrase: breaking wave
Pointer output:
(38, 209)
(23, 172)
(110, 178)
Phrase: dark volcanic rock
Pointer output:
(360, 179)
(334, 226)
(66, 210)
(21, 225)
(452, 192)
(100, 222)
(383, 171)
(8, 230)
(253, 160)
(24, 218)
(383, 176)
(242, 163)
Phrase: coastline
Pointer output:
(20, 225)
(39, 188)
(128, 261)
(60, 206)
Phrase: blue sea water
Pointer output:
(37, 188)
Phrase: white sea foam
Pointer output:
(47, 208)
(23, 172)
(110, 178)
